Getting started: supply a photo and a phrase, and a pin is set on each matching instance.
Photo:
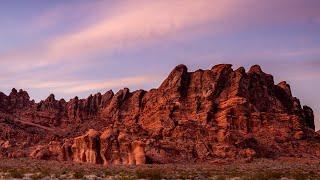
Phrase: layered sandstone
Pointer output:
(192, 117)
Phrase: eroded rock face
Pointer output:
(86, 148)
(108, 147)
(48, 151)
(192, 117)
(16, 100)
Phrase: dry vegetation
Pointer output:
(258, 169)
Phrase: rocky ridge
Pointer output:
(192, 117)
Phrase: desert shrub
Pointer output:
(298, 175)
(107, 172)
(45, 172)
(184, 174)
(65, 171)
(78, 175)
(15, 173)
(264, 175)
(233, 173)
(37, 176)
(153, 174)
(220, 177)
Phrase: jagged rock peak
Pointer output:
(14, 91)
(123, 92)
(241, 70)
(178, 71)
(222, 69)
(110, 92)
(20, 98)
(51, 98)
(221, 66)
(181, 67)
(285, 87)
(176, 80)
(255, 69)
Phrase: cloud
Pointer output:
(131, 25)
(110, 84)
(85, 31)
(67, 14)
(307, 75)
(134, 24)
(302, 52)
(137, 23)
(80, 86)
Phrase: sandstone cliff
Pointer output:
(192, 117)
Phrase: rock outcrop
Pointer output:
(192, 117)
(86, 148)
(108, 147)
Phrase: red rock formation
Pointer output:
(86, 148)
(193, 116)
(109, 147)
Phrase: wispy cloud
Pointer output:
(301, 52)
(137, 23)
(109, 84)
(80, 86)
(66, 38)
(133, 24)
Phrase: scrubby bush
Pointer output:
(78, 175)
(153, 174)
(264, 175)
(15, 173)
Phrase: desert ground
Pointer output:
(283, 168)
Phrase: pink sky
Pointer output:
(81, 47)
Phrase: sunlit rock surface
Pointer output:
(192, 117)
